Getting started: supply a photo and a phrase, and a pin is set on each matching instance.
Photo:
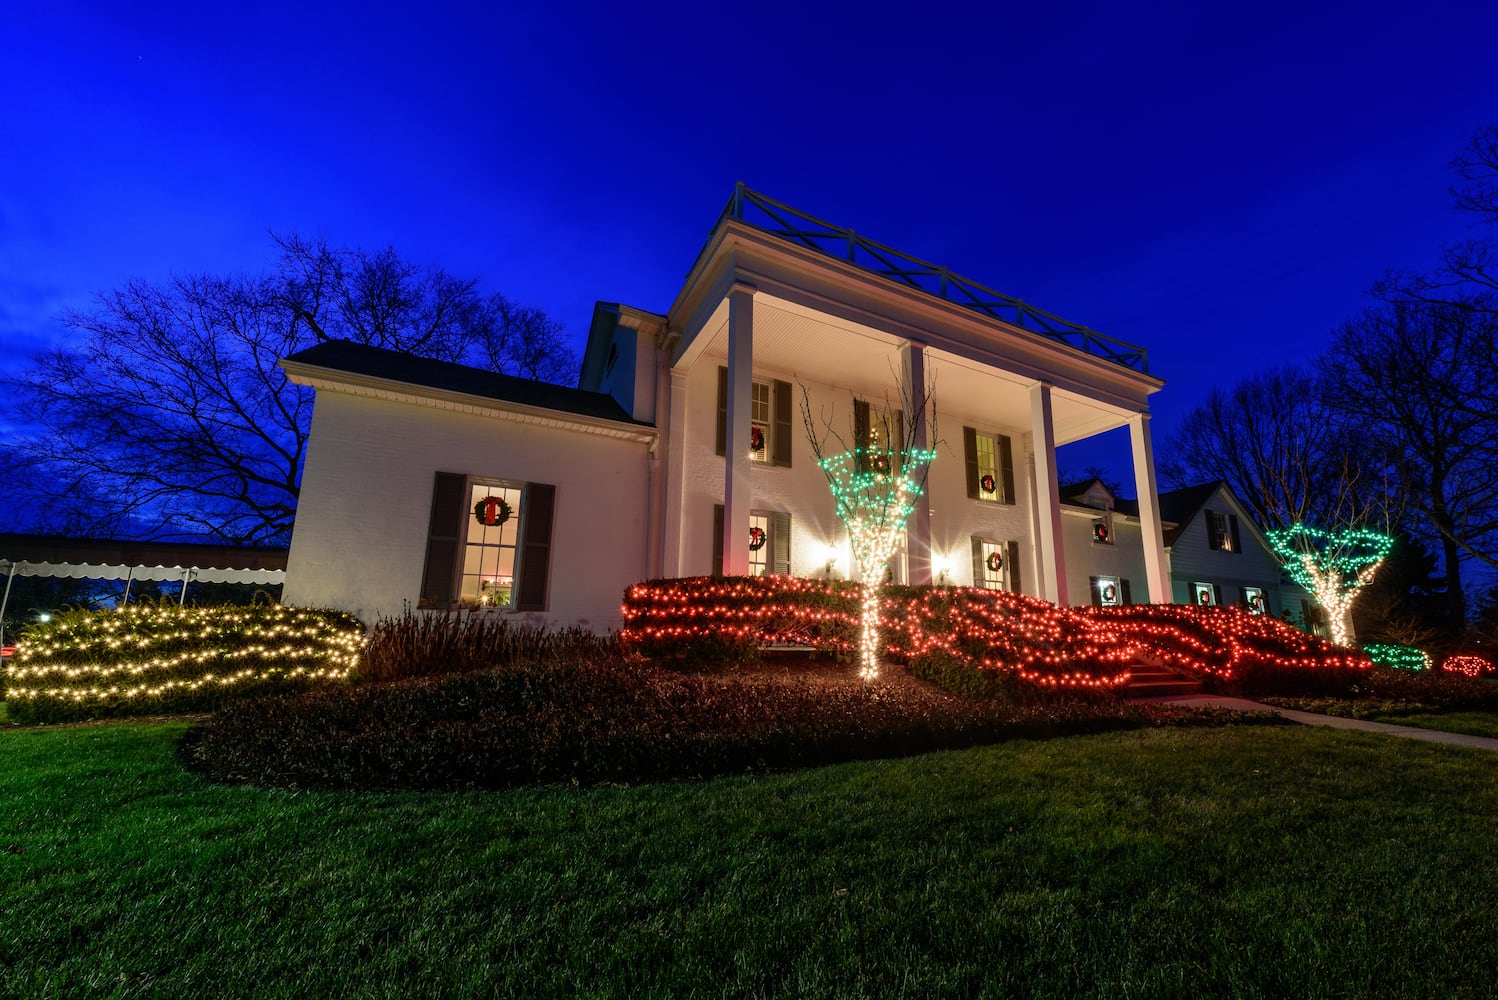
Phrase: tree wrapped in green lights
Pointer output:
(1332, 565)
(875, 485)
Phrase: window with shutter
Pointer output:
(770, 408)
(990, 466)
(488, 545)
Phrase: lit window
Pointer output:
(759, 545)
(1220, 531)
(1254, 598)
(988, 468)
(490, 544)
(991, 564)
(759, 422)
(1203, 594)
(1107, 591)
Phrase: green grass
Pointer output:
(1223, 862)
(1471, 723)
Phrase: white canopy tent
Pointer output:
(107, 559)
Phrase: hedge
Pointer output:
(151, 659)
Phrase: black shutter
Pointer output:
(1233, 531)
(535, 554)
(780, 439)
(722, 410)
(1096, 586)
(861, 434)
(1216, 595)
(1014, 580)
(970, 455)
(1211, 529)
(1123, 586)
(977, 562)
(1006, 467)
(717, 569)
(780, 544)
(444, 541)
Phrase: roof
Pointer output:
(409, 369)
(1178, 506)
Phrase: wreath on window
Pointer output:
(1110, 594)
(988, 483)
(756, 439)
(1204, 596)
(756, 539)
(492, 510)
(1100, 532)
(1256, 601)
(880, 463)
(995, 562)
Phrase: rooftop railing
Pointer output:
(787, 223)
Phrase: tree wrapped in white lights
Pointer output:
(875, 485)
(1332, 565)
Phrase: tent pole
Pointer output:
(182, 597)
(129, 579)
(10, 575)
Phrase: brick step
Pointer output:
(1152, 682)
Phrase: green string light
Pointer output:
(1332, 565)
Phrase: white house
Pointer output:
(683, 451)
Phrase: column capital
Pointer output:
(740, 287)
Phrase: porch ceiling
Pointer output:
(792, 339)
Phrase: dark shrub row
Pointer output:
(429, 644)
(152, 659)
(602, 721)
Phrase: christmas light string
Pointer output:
(1333, 566)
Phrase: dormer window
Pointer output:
(1222, 531)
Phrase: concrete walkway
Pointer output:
(1333, 721)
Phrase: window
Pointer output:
(996, 564)
(1222, 531)
(1204, 594)
(488, 544)
(1109, 591)
(1254, 598)
(769, 542)
(770, 404)
(760, 427)
(879, 437)
(990, 466)
(1102, 530)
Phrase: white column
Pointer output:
(676, 474)
(918, 528)
(1048, 496)
(1156, 571)
(736, 491)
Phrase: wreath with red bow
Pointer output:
(1100, 532)
(492, 510)
(988, 483)
(1110, 594)
(880, 463)
(995, 562)
(756, 539)
(756, 439)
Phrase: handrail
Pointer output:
(795, 226)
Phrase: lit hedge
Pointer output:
(978, 641)
(1398, 657)
(156, 659)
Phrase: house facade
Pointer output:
(685, 451)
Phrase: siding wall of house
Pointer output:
(1192, 559)
(1086, 558)
(361, 528)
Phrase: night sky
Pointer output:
(1219, 183)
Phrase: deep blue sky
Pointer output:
(1220, 183)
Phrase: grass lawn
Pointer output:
(1221, 862)
(1471, 723)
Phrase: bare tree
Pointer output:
(1412, 376)
(1273, 439)
(172, 417)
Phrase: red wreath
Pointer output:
(1100, 532)
(756, 439)
(756, 539)
(880, 464)
(492, 510)
(995, 562)
(988, 484)
(1110, 594)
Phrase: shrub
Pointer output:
(601, 721)
(430, 644)
(160, 658)
(1468, 664)
(1397, 657)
